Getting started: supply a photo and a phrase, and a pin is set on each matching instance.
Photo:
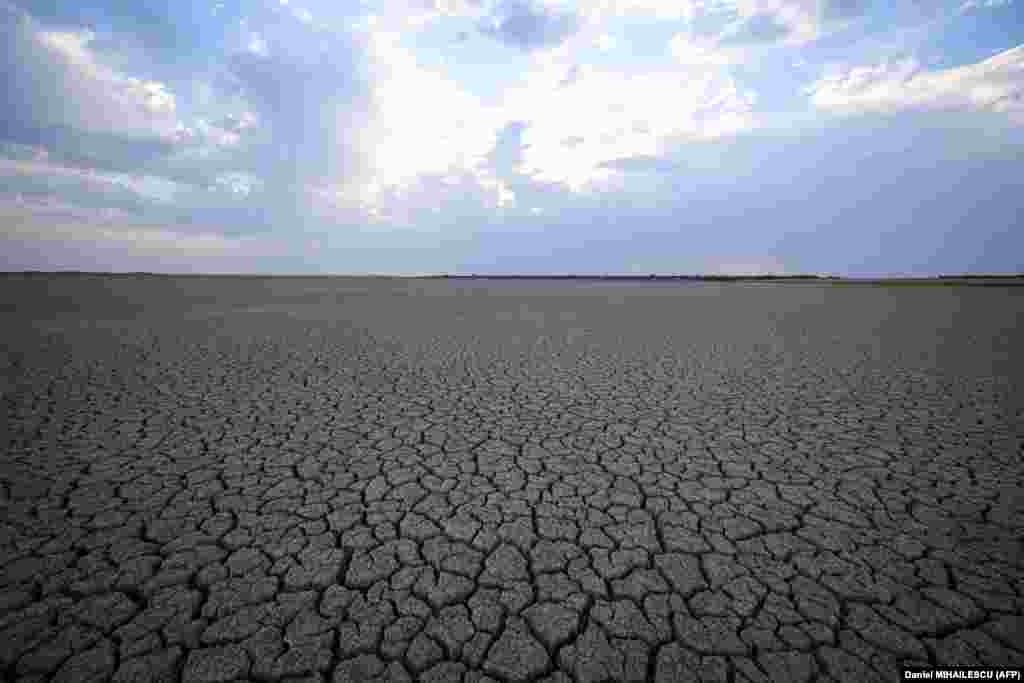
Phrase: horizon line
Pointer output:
(537, 276)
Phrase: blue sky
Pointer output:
(858, 137)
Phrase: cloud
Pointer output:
(32, 177)
(993, 85)
(316, 123)
(419, 12)
(657, 9)
(641, 164)
(689, 51)
(420, 128)
(806, 20)
(344, 122)
(49, 218)
(423, 120)
(839, 10)
(833, 196)
(976, 5)
(31, 180)
(350, 130)
(63, 96)
(529, 24)
(44, 232)
(758, 28)
(313, 97)
(732, 31)
(507, 155)
(574, 127)
(223, 132)
(165, 28)
(58, 80)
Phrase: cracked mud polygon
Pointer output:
(340, 479)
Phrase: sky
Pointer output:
(848, 137)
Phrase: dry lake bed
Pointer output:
(217, 478)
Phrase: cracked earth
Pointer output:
(208, 479)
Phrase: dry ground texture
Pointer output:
(212, 479)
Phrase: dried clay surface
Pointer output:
(340, 479)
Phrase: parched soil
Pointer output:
(213, 479)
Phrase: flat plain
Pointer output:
(356, 479)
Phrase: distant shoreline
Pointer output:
(1010, 280)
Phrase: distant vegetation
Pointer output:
(946, 280)
(653, 276)
(937, 280)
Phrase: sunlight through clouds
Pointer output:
(451, 130)
(476, 121)
(600, 115)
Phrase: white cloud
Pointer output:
(578, 123)
(423, 121)
(687, 50)
(800, 18)
(206, 135)
(994, 85)
(49, 192)
(419, 123)
(420, 11)
(77, 99)
(531, 24)
(729, 31)
(973, 5)
(657, 9)
(257, 45)
(93, 95)
(37, 175)
(402, 15)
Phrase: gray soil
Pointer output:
(212, 479)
